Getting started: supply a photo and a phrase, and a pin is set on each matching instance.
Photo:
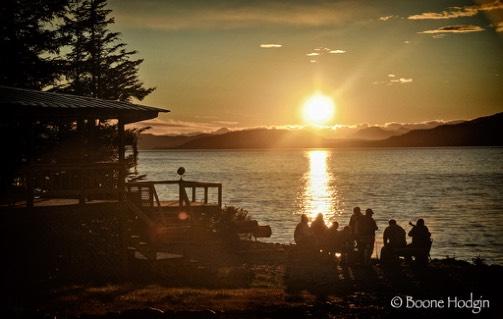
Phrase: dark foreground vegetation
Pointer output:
(264, 280)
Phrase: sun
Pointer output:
(318, 109)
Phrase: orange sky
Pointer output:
(249, 64)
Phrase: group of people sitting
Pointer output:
(355, 242)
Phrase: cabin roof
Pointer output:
(18, 102)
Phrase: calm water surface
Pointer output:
(458, 191)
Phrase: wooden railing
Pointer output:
(145, 194)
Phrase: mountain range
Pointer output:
(483, 131)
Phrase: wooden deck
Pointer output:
(46, 202)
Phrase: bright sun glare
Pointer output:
(318, 109)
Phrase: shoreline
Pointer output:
(261, 285)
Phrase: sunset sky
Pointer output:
(241, 64)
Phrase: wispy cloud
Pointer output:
(270, 45)
(322, 51)
(451, 13)
(402, 80)
(173, 15)
(459, 12)
(387, 18)
(232, 123)
(462, 28)
(176, 127)
(393, 79)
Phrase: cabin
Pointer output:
(64, 182)
(67, 197)
(76, 174)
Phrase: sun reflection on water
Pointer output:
(320, 194)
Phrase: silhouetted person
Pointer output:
(319, 229)
(355, 229)
(367, 228)
(303, 235)
(353, 221)
(394, 236)
(421, 241)
(333, 238)
(394, 242)
(347, 244)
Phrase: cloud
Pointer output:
(177, 15)
(393, 79)
(418, 125)
(270, 45)
(321, 51)
(498, 27)
(386, 18)
(177, 127)
(459, 12)
(338, 51)
(465, 28)
(451, 13)
(402, 80)
(226, 122)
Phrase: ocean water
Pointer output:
(458, 191)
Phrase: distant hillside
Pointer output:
(258, 138)
(149, 141)
(374, 133)
(483, 131)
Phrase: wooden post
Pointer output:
(29, 155)
(220, 196)
(193, 193)
(122, 155)
(81, 147)
(121, 184)
(180, 193)
(206, 194)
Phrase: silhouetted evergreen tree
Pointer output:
(30, 41)
(98, 64)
